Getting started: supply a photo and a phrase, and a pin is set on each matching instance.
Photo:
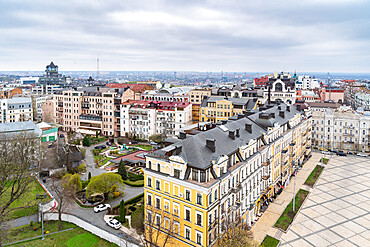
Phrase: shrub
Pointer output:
(81, 168)
(133, 177)
(122, 211)
(114, 188)
(137, 219)
(95, 152)
(83, 152)
(60, 174)
(31, 223)
(116, 194)
(35, 228)
(120, 141)
(86, 142)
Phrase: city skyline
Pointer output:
(204, 36)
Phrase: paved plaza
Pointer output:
(337, 210)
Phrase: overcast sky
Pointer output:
(243, 35)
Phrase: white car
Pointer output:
(326, 152)
(361, 155)
(114, 224)
(101, 208)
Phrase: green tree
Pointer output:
(89, 176)
(103, 183)
(122, 211)
(122, 170)
(156, 138)
(73, 182)
(86, 142)
(137, 219)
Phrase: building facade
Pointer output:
(196, 98)
(16, 110)
(282, 87)
(145, 118)
(341, 129)
(225, 175)
(8, 93)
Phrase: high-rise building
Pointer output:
(16, 110)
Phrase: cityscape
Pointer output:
(177, 124)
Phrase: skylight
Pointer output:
(223, 127)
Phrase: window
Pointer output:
(177, 173)
(158, 220)
(199, 219)
(150, 200)
(149, 216)
(158, 185)
(199, 199)
(150, 165)
(187, 195)
(187, 214)
(202, 176)
(187, 232)
(216, 195)
(149, 182)
(159, 167)
(199, 238)
(158, 203)
(195, 175)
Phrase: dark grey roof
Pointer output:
(248, 102)
(195, 152)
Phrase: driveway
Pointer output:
(90, 163)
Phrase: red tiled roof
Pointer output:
(133, 156)
(133, 87)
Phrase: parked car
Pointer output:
(334, 151)
(362, 155)
(51, 145)
(133, 142)
(109, 144)
(61, 136)
(114, 224)
(100, 147)
(341, 154)
(153, 143)
(326, 152)
(101, 208)
(349, 152)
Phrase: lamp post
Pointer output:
(295, 177)
(41, 197)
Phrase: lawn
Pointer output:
(311, 180)
(138, 183)
(29, 199)
(287, 216)
(324, 160)
(75, 237)
(102, 160)
(145, 147)
(269, 242)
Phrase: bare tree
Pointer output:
(234, 234)
(64, 194)
(159, 229)
(19, 156)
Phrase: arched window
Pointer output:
(278, 87)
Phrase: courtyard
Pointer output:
(337, 210)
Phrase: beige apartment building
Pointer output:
(89, 110)
(196, 97)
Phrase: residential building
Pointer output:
(137, 88)
(16, 110)
(29, 80)
(8, 93)
(260, 82)
(362, 100)
(48, 111)
(217, 108)
(306, 82)
(341, 129)
(196, 97)
(332, 94)
(307, 96)
(45, 89)
(38, 101)
(202, 183)
(145, 118)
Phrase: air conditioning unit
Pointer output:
(181, 195)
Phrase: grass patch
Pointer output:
(311, 180)
(102, 160)
(76, 237)
(26, 199)
(145, 147)
(324, 160)
(134, 177)
(270, 242)
(126, 224)
(138, 183)
(287, 216)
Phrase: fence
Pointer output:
(117, 239)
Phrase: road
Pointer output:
(90, 164)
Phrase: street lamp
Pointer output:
(41, 197)
(295, 177)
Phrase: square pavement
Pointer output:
(337, 210)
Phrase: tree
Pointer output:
(158, 138)
(73, 182)
(122, 170)
(89, 176)
(137, 220)
(122, 211)
(18, 155)
(103, 183)
(159, 230)
(64, 191)
(86, 142)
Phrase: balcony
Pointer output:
(236, 189)
(266, 177)
(266, 163)
(91, 117)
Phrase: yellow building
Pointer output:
(200, 184)
(196, 97)
(218, 108)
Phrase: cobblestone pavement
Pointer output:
(337, 210)
(264, 225)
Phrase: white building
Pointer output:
(145, 118)
(307, 82)
(282, 88)
(16, 110)
(341, 129)
(28, 80)
(45, 89)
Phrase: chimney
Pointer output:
(298, 107)
(288, 108)
(237, 132)
(273, 114)
(281, 114)
(211, 144)
(232, 134)
(178, 150)
(182, 135)
(248, 127)
(279, 107)
(224, 122)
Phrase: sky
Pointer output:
(186, 35)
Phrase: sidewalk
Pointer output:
(22, 221)
(264, 225)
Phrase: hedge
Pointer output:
(133, 177)
(138, 183)
(132, 200)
